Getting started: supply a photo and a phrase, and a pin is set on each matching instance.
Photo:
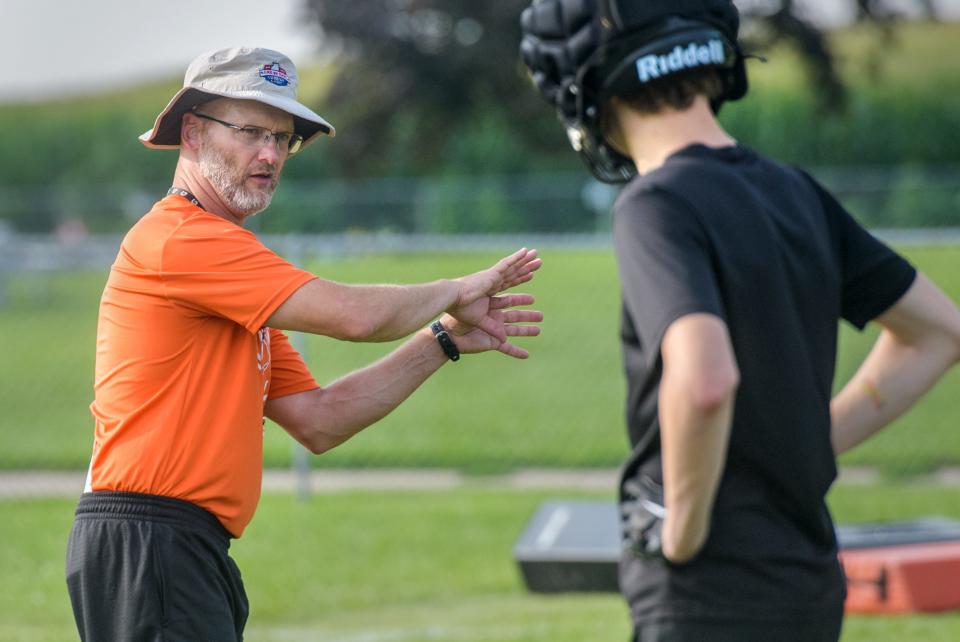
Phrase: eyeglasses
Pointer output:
(253, 136)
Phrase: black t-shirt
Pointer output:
(762, 246)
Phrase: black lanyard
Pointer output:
(179, 191)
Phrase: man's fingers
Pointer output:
(493, 327)
(521, 316)
(532, 265)
(513, 270)
(510, 301)
(529, 265)
(515, 281)
(520, 262)
(513, 351)
(523, 330)
(529, 261)
(507, 262)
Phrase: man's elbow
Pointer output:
(313, 441)
(317, 446)
(313, 434)
(317, 440)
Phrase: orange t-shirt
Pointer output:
(184, 363)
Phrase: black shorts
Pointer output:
(703, 618)
(814, 629)
(145, 568)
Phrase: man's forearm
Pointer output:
(364, 312)
(387, 312)
(323, 419)
(395, 311)
(893, 377)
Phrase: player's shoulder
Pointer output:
(682, 171)
(697, 173)
(660, 189)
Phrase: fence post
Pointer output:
(300, 460)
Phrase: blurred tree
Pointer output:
(784, 21)
(437, 60)
(437, 63)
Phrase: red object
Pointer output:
(903, 579)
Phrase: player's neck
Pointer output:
(652, 138)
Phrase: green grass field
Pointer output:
(562, 407)
(403, 567)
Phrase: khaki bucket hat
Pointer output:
(245, 73)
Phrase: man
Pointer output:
(735, 270)
(191, 358)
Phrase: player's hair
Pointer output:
(676, 92)
(672, 93)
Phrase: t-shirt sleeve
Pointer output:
(222, 269)
(874, 277)
(664, 260)
(288, 372)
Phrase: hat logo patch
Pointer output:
(274, 73)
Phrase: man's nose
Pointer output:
(269, 153)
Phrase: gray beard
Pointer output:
(228, 183)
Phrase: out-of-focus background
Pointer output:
(444, 159)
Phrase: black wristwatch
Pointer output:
(446, 342)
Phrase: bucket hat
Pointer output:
(245, 73)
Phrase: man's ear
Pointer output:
(191, 131)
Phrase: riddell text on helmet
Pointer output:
(682, 57)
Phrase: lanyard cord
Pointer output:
(179, 191)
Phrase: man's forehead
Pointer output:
(251, 112)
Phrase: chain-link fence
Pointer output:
(562, 407)
(906, 196)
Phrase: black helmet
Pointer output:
(582, 52)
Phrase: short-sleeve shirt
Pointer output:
(185, 364)
(762, 246)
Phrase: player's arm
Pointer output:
(388, 312)
(697, 392)
(919, 342)
(323, 418)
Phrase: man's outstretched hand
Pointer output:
(473, 305)
(500, 314)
